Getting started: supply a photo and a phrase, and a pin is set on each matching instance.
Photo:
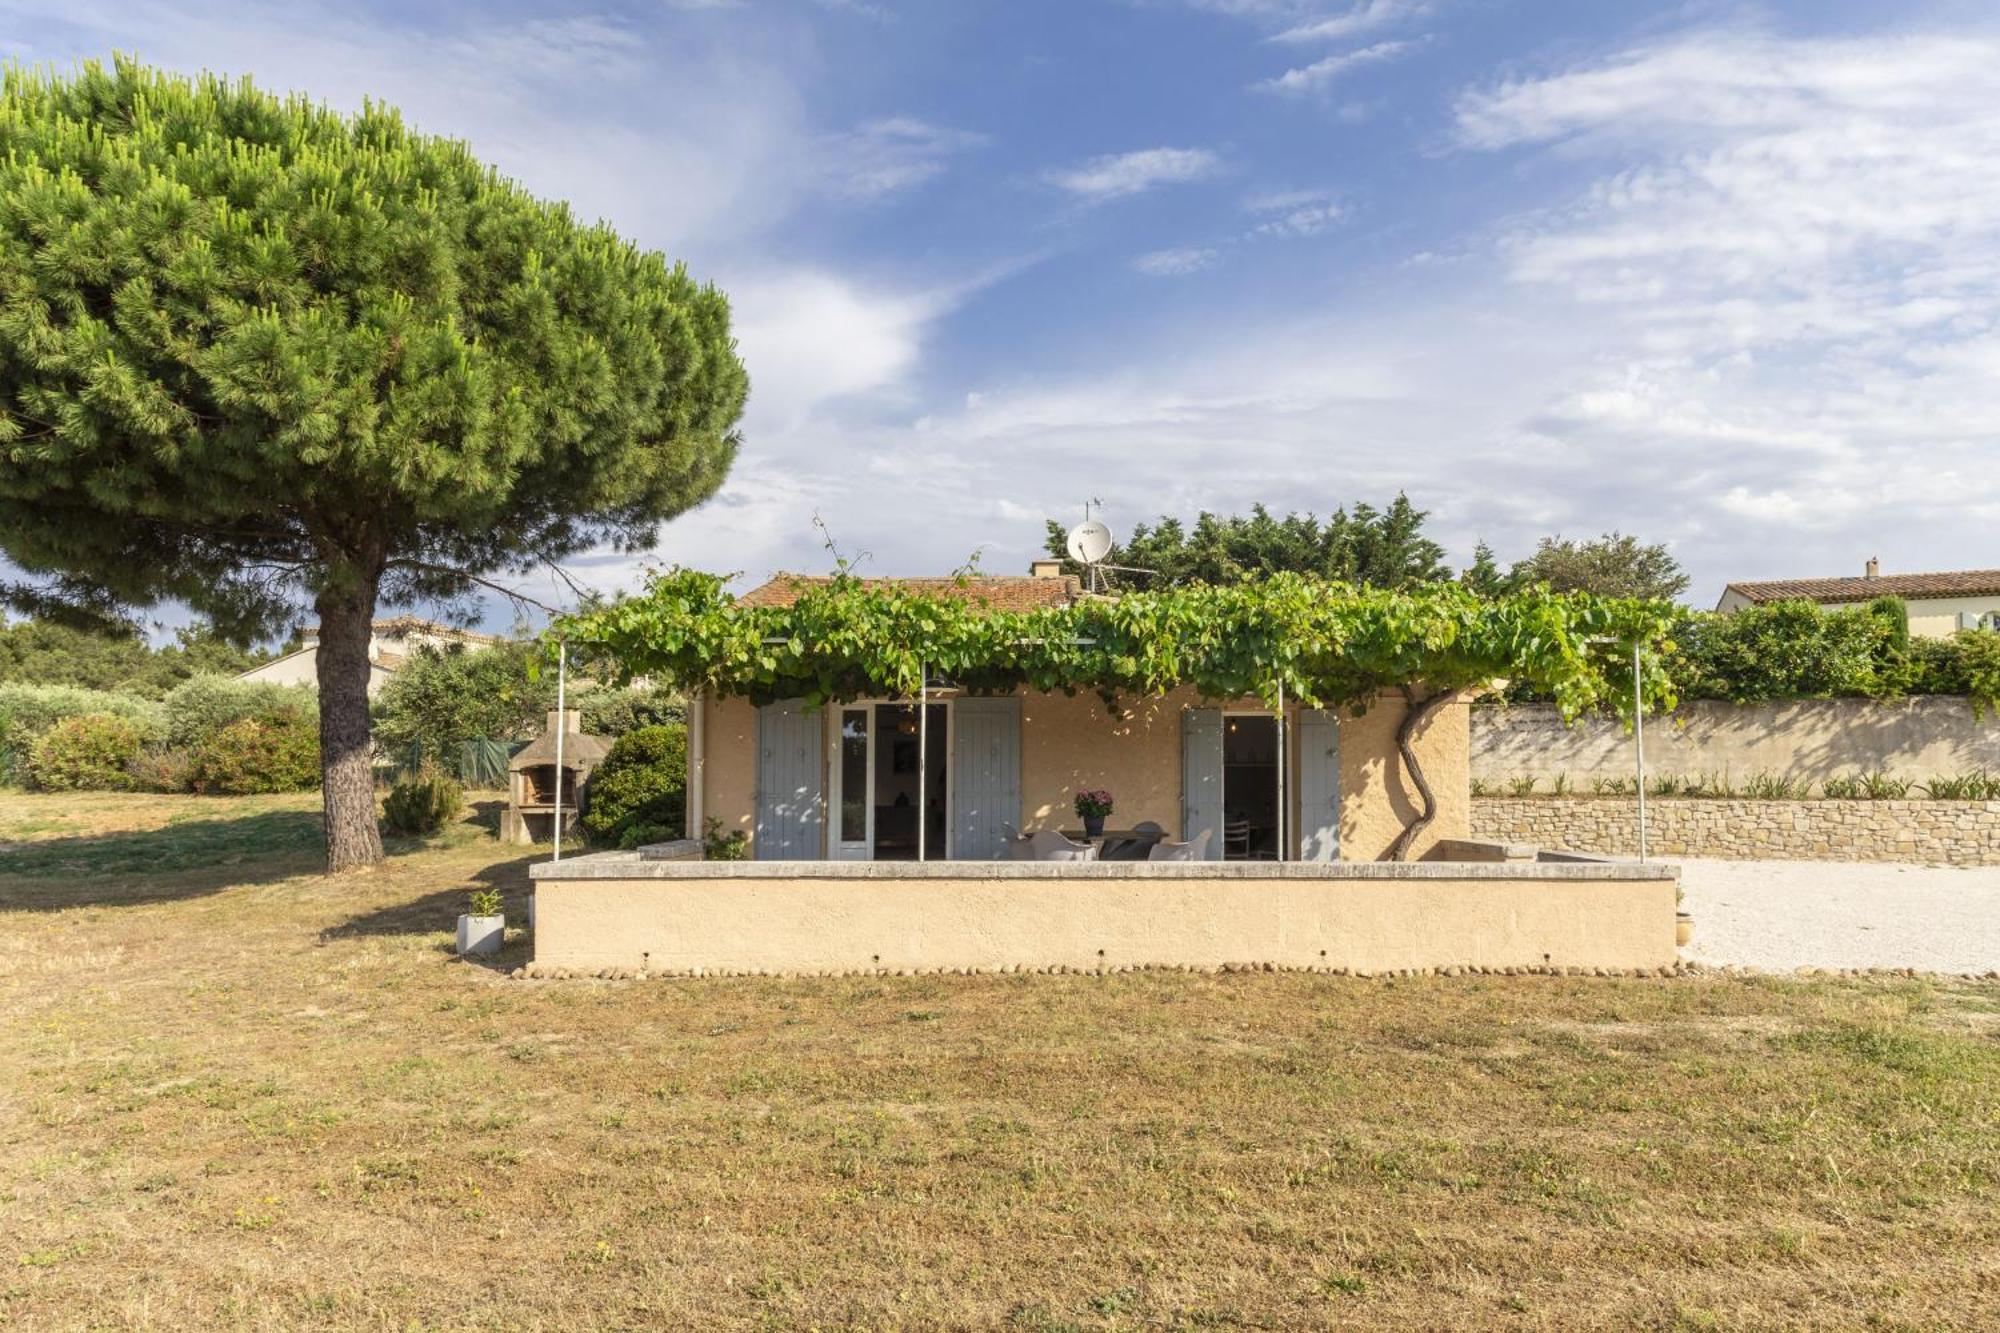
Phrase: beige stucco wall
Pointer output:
(1069, 743)
(1938, 618)
(1811, 739)
(1930, 617)
(302, 668)
(803, 921)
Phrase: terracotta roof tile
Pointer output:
(1000, 592)
(1959, 583)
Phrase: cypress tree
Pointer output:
(268, 360)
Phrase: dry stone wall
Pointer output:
(1960, 833)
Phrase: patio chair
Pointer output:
(1050, 845)
(1020, 847)
(1144, 835)
(1236, 840)
(1194, 849)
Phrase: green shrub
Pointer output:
(278, 752)
(87, 753)
(162, 770)
(615, 713)
(27, 711)
(200, 706)
(718, 846)
(483, 902)
(641, 782)
(441, 696)
(422, 803)
(642, 835)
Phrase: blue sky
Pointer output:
(1723, 275)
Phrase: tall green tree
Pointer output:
(1383, 548)
(269, 359)
(118, 657)
(1614, 565)
(1484, 575)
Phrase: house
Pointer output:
(390, 643)
(899, 780)
(1939, 604)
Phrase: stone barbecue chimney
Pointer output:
(1874, 568)
(1045, 569)
(569, 722)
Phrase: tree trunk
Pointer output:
(347, 777)
(1414, 716)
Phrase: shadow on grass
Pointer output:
(188, 858)
(439, 910)
(182, 860)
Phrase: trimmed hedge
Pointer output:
(88, 753)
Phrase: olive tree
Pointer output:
(271, 360)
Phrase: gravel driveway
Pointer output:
(1780, 915)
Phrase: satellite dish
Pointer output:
(1089, 542)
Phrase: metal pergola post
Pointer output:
(562, 725)
(1639, 744)
(923, 760)
(1282, 802)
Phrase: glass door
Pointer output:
(853, 836)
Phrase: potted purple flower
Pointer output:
(1093, 806)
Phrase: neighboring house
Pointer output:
(870, 779)
(1939, 604)
(390, 643)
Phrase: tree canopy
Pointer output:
(47, 652)
(1382, 548)
(258, 356)
(1614, 565)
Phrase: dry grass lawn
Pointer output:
(236, 1094)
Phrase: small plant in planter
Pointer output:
(482, 929)
(1093, 806)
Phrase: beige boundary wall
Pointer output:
(1069, 743)
(619, 911)
(1959, 833)
(1814, 740)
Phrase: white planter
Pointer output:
(481, 934)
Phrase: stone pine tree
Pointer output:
(274, 361)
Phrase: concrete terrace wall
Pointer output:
(1961, 833)
(1816, 739)
(807, 917)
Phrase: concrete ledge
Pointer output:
(810, 917)
(633, 866)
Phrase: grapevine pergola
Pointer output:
(1284, 638)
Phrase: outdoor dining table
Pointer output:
(1114, 838)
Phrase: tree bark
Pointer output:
(1414, 716)
(347, 775)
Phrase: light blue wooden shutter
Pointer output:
(985, 777)
(790, 810)
(1319, 785)
(1201, 777)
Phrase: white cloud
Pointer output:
(1175, 263)
(1119, 174)
(885, 156)
(1295, 213)
(1364, 17)
(1316, 76)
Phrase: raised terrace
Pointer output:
(661, 910)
